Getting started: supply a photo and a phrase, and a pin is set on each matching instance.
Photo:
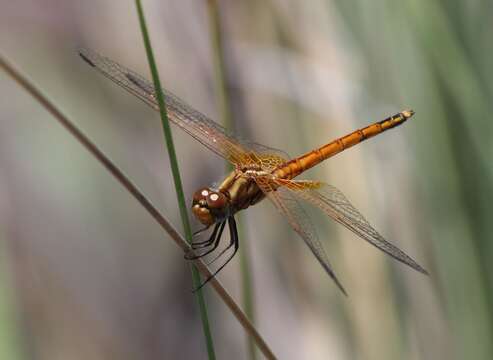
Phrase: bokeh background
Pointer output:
(86, 274)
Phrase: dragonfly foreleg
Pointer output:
(233, 232)
(215, 241)
(209, 241)
(202, 230)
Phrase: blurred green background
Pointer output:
(86, 274)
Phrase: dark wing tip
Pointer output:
(406, 260)
(422, 270)
(339, 285)
(84, 56)
(334, 278)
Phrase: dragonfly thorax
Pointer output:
(210, 206)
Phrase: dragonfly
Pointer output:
(259, 172)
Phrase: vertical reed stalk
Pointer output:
(176, 177)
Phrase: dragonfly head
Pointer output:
(209, 206)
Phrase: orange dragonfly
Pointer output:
(260, 172)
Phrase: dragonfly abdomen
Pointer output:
(300, 164)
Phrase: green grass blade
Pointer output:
(176, 177)
(226, 114)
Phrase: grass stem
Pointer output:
(176, 178)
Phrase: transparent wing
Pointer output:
(260, 148)
(337, 206)
(270, 158)
(292, 210)
(199, 126)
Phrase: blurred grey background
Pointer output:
(86, 273)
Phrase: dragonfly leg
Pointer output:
(232, 236)
(200, 244)
(191, 256)
(233, 231)
(201, 230)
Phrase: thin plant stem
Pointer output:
(140, 197)
(221, 82)
(176, 178)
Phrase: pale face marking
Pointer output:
(204, 193)
(214, 197)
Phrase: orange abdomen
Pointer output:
(296, 166)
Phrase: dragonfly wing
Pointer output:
(269, 158)
(263, 149)
(337, 206)
(292, 210)
(199, 126)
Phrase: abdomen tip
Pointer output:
(407, 113)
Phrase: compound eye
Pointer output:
(216, 200)
(201, 195)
